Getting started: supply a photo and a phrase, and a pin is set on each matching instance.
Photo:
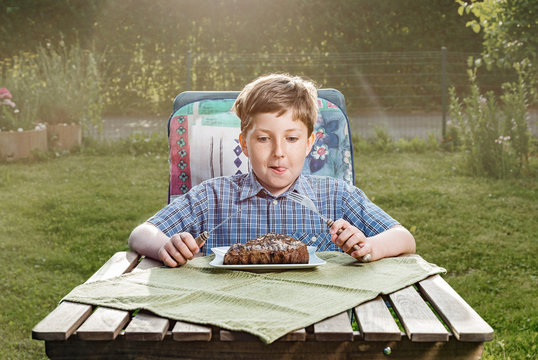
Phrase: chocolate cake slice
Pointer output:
(270, 248)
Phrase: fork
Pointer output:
(307, 202)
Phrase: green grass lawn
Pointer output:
(62, 218)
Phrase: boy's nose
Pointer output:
(278, 149)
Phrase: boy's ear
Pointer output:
(243, 143)
(310, 143)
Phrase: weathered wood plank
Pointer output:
(375, 321)
(120, 349)
(103, 324)
(296, 335)
(121, 262)
(64, 320)
(335, 328)
(462, 319)
(146, 327)
(184, 331)
(419, 321)
(147, 263)
(226, 335)
(239, 336)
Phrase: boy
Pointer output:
(277, 114)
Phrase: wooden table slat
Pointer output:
(463, 320)
(417, 318)
(335, 328)
(64, 320)
(227, 335)
(147, 263)
(296, 335)
(376, 322)
(106, 323)
(120, 263)
(103, 324)
(184, 331)
(147, 327)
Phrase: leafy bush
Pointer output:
(135, 144)
(23, 82)
(54, 86)
(381, 141)
(71, 91)
(495, 137)
(8, 110)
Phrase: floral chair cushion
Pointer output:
(204, 143)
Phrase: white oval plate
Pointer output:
(219, 252)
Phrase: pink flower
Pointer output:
(5, 94)
(7, 102)
(320, 133)
(320, 152)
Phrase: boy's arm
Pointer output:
(392, 242)
(146, 239)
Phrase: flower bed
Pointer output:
(22, 144)
(64, 136)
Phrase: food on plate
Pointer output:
(270, 248)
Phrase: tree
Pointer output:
(509, 29)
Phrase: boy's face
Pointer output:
(277, 147)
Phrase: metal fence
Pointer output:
(404, 92)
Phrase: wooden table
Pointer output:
(84, 332)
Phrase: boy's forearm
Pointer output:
(392, 242)
(146, 239)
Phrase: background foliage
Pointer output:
(278, 26)
(343, 44)
(383, 55)
(509, 29)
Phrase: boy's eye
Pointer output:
(263, 139)
(293, 139)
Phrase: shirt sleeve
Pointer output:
(185, 213)
(364, 214)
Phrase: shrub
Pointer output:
(54, 86)
(495, 137)
(381, 141)
(71, 91)
(135, 144)
(23, 82)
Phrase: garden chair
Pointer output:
(203, 139)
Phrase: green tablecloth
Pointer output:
(268, 305)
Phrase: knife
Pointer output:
(205, 234)
(305, 201)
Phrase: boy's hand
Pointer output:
(179, 249)
(349, 237)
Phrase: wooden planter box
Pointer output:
(17, 145)
(64, 136)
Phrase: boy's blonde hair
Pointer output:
(277, 93)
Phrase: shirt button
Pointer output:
(275, 202)
(314, 239)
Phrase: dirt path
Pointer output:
(397, 125)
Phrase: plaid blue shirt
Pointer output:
(254, 211)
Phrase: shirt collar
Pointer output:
(303, 187)
(252, 187)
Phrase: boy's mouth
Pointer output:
(278, 169)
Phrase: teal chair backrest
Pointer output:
(203, 137)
